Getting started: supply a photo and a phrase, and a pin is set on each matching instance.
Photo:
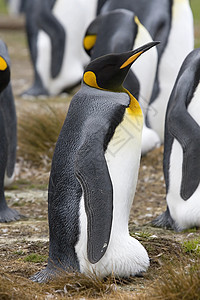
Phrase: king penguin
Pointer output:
(55, 29)
(181, 149)
(171, 23)
(118, 31)
(8, 135)
(94, 174)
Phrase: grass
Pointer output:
(70, 285)
(180, 280)
(195, 5)
(38, 132)
(192, 246)
(35, 258)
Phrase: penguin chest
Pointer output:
(185, 213)
(123, 158)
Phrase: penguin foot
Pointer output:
(47, 275)
(165, 221)
(34, 91)
(9, 215)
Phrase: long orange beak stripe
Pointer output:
(131, 59)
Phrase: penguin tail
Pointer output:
(165, 221)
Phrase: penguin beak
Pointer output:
(133, 55)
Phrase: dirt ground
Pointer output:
(20, 240)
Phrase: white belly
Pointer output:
(185, 213)
(75, 22)
(180, 43)
(125, 256)
(145, 70)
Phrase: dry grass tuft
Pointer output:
(38, 131)
(16, 287)
(180, 280)
(70, 285)
(80, 285)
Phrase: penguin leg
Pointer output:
(37, 89)
(165, 221)
(6, 214)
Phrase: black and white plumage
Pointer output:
(8, 135)
(94, 174)
(181, 149)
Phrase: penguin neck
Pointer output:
(134, 108)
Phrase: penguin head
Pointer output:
(108, 72)
(4, 74)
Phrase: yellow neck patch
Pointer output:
(3, 64)
(134, 108)
(131, 59)
(89, 41)
(137, 20)
(90, 79)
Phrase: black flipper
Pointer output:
(50, 24)
(184, 128)
(93, 174)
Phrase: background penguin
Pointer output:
(180, 43)
(8, 134)
(16, 7)
(171, 23)
(118, 31)
(181, 149)
(56, 42)
(92, 184)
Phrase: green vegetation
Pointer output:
(35, 258)
(192, 246)
(195, 5)
(3, 8)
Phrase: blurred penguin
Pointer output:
(55, 43)
(8, 134)
(171, 23)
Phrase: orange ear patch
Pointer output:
(90, 79)
(3, 64)
(89, 41)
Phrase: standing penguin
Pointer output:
(171, 23)
(181, 149)
(55, 29)
(94, 174)
(180, 43)
(118, 31)
(8, 139)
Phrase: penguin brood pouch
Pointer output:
(92, 181)
(8, 136)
